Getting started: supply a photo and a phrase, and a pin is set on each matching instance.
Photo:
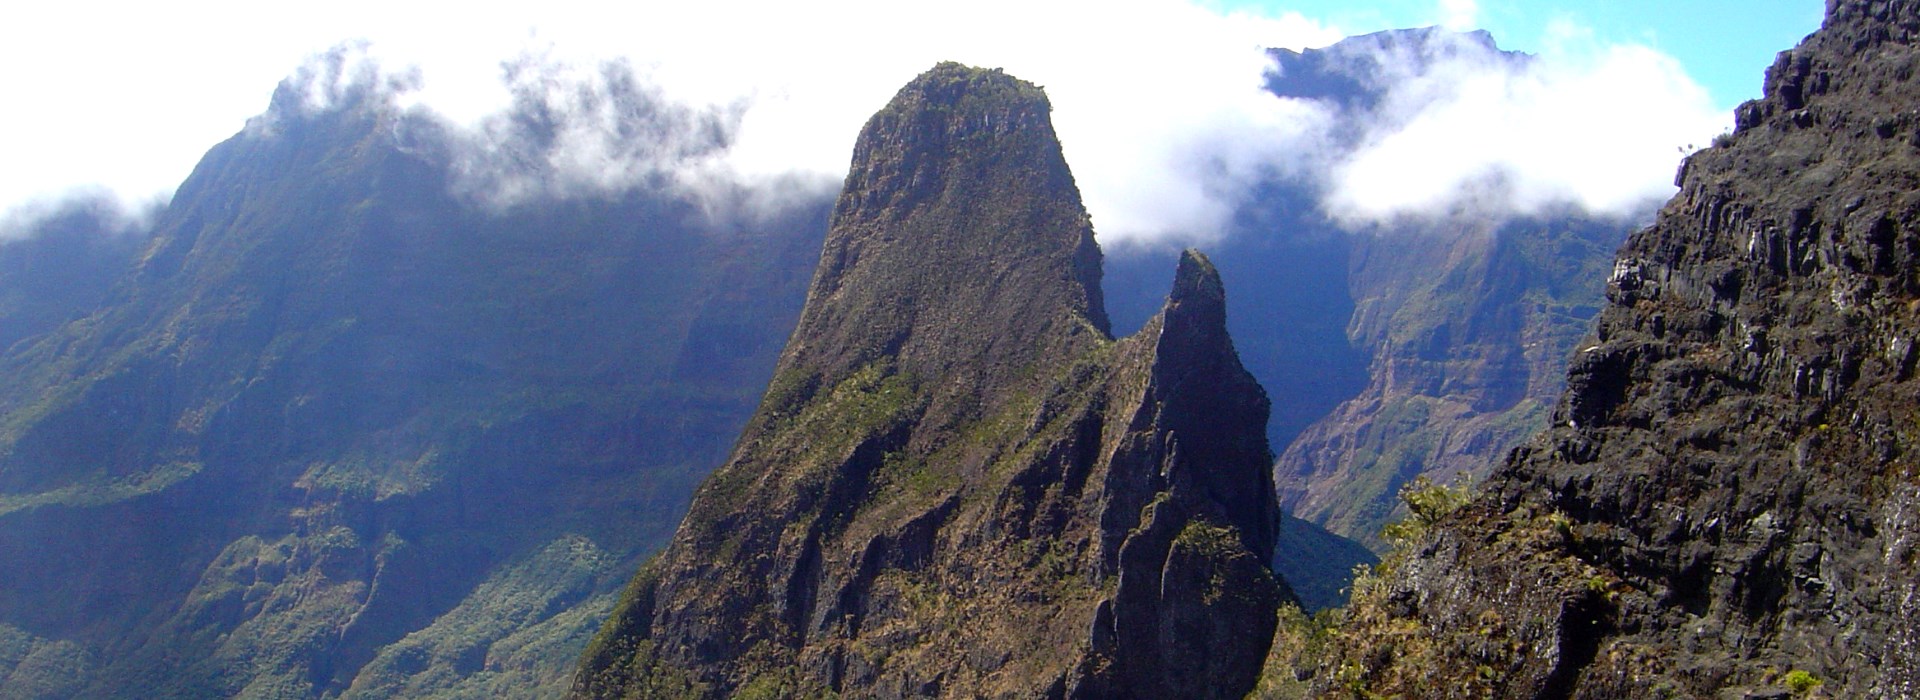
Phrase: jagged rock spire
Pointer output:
(958, 484)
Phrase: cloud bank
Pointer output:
(1160, 104)
(84, 211)
(1600, 128)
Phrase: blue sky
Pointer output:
(1725, 45)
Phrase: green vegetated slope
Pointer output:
(338, 432)
(1724, 503)
(958, 483)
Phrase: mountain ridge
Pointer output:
(331, 417)
(992, 515)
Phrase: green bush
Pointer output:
(1427, 503)
(1800, 682)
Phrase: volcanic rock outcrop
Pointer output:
(1726, 504)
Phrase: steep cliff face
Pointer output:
(958, 484)
(336, 431)
(1469, 325)
(1728, 490)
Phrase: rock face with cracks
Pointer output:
(1725, 504)
(958, 484)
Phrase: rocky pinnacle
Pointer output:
(958, 484)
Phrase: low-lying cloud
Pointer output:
(1160, 104)
(1599, 128)
(85, 211)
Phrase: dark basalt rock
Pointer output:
(958, 484)
(1728, 490)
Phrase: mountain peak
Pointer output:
(1197, 291)
(959, 243)
(1355, 73)
(951, 111)
(1196, 278)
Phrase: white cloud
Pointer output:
(1158, 102)
(1138, 85)
(1460, 15)
(102, 210)
(1598, 127)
